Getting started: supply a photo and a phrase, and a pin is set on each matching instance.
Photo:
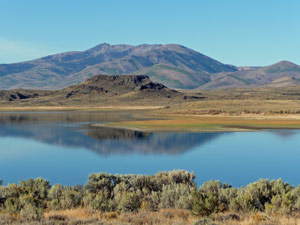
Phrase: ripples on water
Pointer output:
(63, 148)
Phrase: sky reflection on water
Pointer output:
(67, 150)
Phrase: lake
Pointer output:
(63, 147)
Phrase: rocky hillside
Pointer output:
(172, 65)
(110, 86)
(101, 89)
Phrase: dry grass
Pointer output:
(164, 216)
(211, 123)
(174, 216)
(262, 219)
(71, 214)
(236, 106)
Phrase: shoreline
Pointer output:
(206, 123)
(159, 119)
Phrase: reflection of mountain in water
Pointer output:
(107, 141)
(285, 134)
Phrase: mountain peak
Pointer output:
(285, 63)
(100, 47)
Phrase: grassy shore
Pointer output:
(206, 123)
(214, 113)
(185, 118)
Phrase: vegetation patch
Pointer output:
(165, 197)
(208, 123)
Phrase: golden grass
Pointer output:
(196, 116)
(174, 216)
(71, 213)
(211, 123)
(236, 106)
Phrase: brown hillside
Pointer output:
(101, 90)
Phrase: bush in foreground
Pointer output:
(164, 190)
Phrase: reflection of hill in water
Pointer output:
(127, 141)
(107, 141)
(105, 133)
(16, 118)
(285, 134)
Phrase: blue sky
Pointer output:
(239, 32)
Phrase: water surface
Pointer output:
(63, 148)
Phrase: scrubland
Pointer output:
(164, 198)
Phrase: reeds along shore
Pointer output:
(107, 195)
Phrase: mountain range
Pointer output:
(173, 65)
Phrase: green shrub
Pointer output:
(55, 196)
(146, 184)
(151, 201)
(128, 193)
(100, 201)
(12, 193)
(72, 197)
(296, 198)
(29, 198)
(130, 202)
(212, 196)
(244, 201)
(203, 204)
(101, 182)
(39, 187)
(31, 212)
(225, 196)
(175, 176)
(177, 196)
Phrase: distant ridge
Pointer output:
(172, 65)
(281, 74)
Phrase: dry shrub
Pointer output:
(258, 217)
(141, 218)
(58, 218)
(175, 214)
(227, 217)
(71, 214)
(165, 216)
(109, 215)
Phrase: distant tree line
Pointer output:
(130, 193)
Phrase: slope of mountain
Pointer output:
(172, 65)
(101, 89)
(281, 74)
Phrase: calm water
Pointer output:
(64, 148)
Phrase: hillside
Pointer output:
(101, 89)
(172, 65)
(281, 74)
